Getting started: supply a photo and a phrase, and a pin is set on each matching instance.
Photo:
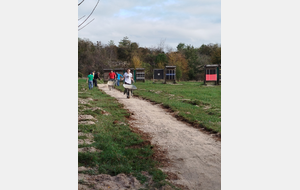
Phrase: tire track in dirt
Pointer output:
(195, 156)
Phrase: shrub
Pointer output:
(80, 74)
(178, 73)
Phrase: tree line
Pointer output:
(189, 60)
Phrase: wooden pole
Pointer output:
(205, 75)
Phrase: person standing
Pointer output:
(96, 76)
(111, 75)
(119, 76)
(90, 78)
(128, 78)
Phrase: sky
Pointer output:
(149, 22)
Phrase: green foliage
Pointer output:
(180, 46)
(124, 53)
(161, 60)
(93, 56)
(178, 73)
(191, 55)
(208, 49)
(191, 74)
(134, 46)
(216, 56)
(158, 175)
(80, 74)
(148, 69)
(127, 50)
(151, 59)
(125, 42)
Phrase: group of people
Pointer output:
(92, 79)
(127, 77)
(112, 76)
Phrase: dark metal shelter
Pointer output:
(170, 74)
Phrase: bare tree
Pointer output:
(80, 25)
(161, 45)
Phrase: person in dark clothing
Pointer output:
(96, 77)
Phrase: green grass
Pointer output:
(114, 140)
(193, 101)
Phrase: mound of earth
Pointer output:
(107, 182)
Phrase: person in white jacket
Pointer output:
(128, 78)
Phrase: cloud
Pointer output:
(146, 22)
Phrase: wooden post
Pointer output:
(165, 75)
(153, 75)
(175, 75)
(217, 77)
(205, 75)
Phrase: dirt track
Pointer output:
(195, 156)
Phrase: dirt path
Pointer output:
(195, 156)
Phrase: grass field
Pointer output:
(122, 150)
(192, 101)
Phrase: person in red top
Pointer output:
(111, 75)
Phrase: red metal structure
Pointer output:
(212, 74)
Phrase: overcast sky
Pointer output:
(147, 22)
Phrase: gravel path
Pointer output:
(195, 156)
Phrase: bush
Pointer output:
(178, 73)
(80, 74)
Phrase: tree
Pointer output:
(180, 46)
(125, 42)
(178, 60)
(161, 60)
(189, 61)
(92, 56)
(124, 50)
(192, 57)
(134, 47)
(216, 56)
(208, 49)
(178, 73)
(161, 46)
(136, 62)
(112, 50)
(111, 43)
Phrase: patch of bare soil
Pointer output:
(82, 169)
(88, 149)
(107, 182)
(83, 101)
(85, 141)
(88, 135)
(96, 108)
(206, 107)
(85, 117)
(119, 123)
(86, 122)
(89, 139)
(195, 156)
